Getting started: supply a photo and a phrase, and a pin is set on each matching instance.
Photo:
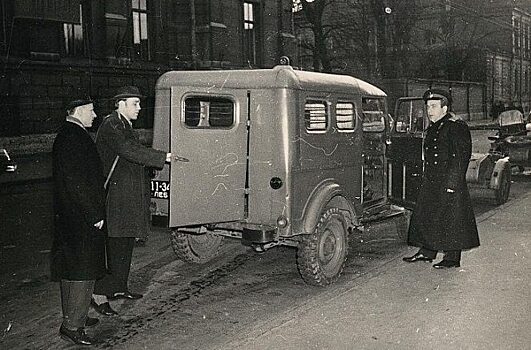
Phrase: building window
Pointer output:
(73, 37)
(250, 32)
(140, 29)
(316, 116)
(208, 112)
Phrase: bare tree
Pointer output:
(354, 36)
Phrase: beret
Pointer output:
(78, 102)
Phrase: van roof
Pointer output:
(277, 77)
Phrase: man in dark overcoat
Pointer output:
(443, 218)
(78, 251)
(126, 163)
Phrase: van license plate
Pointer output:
(160, 189)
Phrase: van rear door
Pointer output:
(211, 131)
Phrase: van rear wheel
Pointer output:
(322, 254)
(193, 247)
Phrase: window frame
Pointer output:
(382, 111)
(204, 97)
(251, 36)
(142, 48)
(327, 110)
(354, 116)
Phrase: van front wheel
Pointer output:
(195, 248)
(322, 254)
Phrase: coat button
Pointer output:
(435, 155)
(435, 162)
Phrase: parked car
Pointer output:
(6, 163)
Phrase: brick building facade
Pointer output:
(51, 51)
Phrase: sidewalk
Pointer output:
(485, 304)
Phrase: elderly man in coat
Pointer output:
(78, 251)
(126, 163)
(443, 218)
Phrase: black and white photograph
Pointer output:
(265, 174)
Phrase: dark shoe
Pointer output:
(417, 257)
(445, 264)
(126, 295)
(91, 321)
(77, 337)
(103, 309)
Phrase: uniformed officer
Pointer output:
(443, 218)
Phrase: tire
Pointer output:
(321, 255)
(195, 248)
(502, 193)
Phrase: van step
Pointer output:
(385, 213)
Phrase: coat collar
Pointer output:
(125, 121)
(127, 124)
(76, 121)
(441, 121)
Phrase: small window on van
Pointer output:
(208, 112)
(316, 116)
(373, 114)
(345, 117)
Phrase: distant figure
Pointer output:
(443, 218)
(126, 163)
(497, 108)
(518, 106)
(78, 251)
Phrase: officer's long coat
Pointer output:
(78, 251)
(442, 220)
(128, 189)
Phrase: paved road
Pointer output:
(201, 306)
(186, 306)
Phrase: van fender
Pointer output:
(328, 193)
(500, 166)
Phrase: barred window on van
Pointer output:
(208, 112)
(345, 117)
(316, 116)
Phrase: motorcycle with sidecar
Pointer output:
(512, 139)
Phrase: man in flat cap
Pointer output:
(78, 251)
(443, 218)
(126, 164)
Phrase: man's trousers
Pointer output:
(119, 253)
(450, 255)
(75, 301)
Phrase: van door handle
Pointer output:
(181, 159)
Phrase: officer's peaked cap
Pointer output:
(437, 94)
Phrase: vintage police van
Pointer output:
(276, 157)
